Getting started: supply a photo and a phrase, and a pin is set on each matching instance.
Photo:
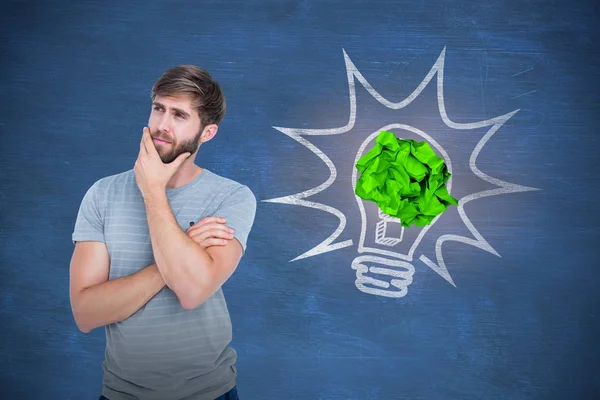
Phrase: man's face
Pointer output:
(174, 126)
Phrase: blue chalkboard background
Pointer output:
(74, 94)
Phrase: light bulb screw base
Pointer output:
(401, 274)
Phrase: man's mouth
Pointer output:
(160, 141)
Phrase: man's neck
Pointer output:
(184, 175)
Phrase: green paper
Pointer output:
(405, 178)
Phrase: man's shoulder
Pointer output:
(118, 179)
(230, 193)
(225, 184)
(111, 186)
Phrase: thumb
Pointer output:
(179, 160)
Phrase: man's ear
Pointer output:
(209, 132)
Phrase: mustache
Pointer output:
(157, 135)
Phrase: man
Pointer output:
(154, 245)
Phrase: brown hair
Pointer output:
(205, 92)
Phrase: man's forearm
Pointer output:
(116, 299)
(185, 266)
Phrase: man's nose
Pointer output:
(165, 123)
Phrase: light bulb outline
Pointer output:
(437, 71)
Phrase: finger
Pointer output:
(142, 144)
(205, 222)
(210, 220)
(213, 242)
(144, 141)
(179, 160)
(205, 234)
(206, 239)
(208, 224)
(215, 226)
(148, 144)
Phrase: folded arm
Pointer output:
(97, 301)
(194, 273)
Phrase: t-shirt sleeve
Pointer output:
(239, 210)
(89, 225)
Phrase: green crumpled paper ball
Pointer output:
(405, 178)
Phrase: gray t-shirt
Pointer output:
(164, 351)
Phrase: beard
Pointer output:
(168, 156)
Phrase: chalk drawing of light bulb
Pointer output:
(386, 268)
